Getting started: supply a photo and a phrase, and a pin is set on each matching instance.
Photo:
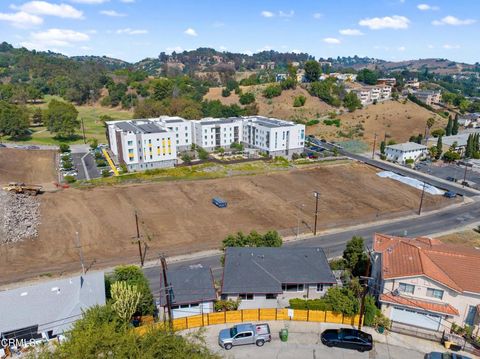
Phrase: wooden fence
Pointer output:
(252, 315)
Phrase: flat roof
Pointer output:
(270, 122)
(407, 146)
(219, 121)
(140, 126)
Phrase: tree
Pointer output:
(451, 156)
(438, 132)
(225, 92)
(162, 89)
(448, 129)
(37, 117)
(14, 120)
(272, 91)
(455, 126)
(439, 151)
(133, 275)
(125, 299)
(469, 148)
(382, 147)
(247, 98)
(312, 71)
(367, 76)
(61, 119)
(355, 256)
(299, 101)
(253, 239)
(93, 144)
(430, 122)
(351, 101)
(371, 310)
(342, 300)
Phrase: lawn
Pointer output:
(91, 120)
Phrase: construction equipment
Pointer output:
(18, 187)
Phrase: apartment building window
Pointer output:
(205, 137)
(245, 296)
(322, 287)
(406, 288)
(150, 141)
(292, 287)
(151, 157)
(435, 293)
(130, 151)
(177, 142)
(186, 128)
(271, 296)
(176, 135)
(130, 143)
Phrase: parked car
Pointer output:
(220, 203)
(450, 194)
(438, 355)
(243, 334)
(32, 148)
(465, 183)
(451, 179)
(2, 145)
(347, 338)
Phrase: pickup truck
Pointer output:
(242, 334)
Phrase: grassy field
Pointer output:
(91, 120)
(467, 238)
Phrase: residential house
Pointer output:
(270, 277)
(191, 291)
(469, 120)
(142, 144)
(390, 81)
(47, 309)
(459, 142)
(424, 284)
(280, 77)
(371, 94)
(428, 97)
(402, 152)
(413, 84)
(273, 136)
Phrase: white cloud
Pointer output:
(317, 15)
(451, 46)
(190, 32)
(426, 7)
(46, 40)
(267, 13)
(129, 31)
(90, 1)
(351, 32)
(388, 22)
(112, 13)
(21, 19)
(454, 21)
(286, 14)
(49, 9)
(331, 40)
(401, 48)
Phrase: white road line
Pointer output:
(87, 176)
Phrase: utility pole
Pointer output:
(465, 176)
(317, 195)
(421, 199)
(83, 130)
(374, 145)
(298, 219)
(80, 251)
(364, 293)
(138, 240)
(167, 289)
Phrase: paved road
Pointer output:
(334, 244)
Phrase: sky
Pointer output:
(132, 30)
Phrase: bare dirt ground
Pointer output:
(280, 107)
(178, 217)
(29, 166)
(398, 120)
(467, 238)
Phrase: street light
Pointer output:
(316, 194)
(298, 218)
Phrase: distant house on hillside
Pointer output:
(269, 277)
(402, 152)
(191, 291)
(428, 97)
(47, 309)
(390, 81)
(424, 284)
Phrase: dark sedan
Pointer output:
(348, 339)
(439, 355)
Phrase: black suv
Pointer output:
(347, 338)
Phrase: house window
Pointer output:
(246, 296)
(292, 287)
(406, 288)
(435, 293)
(130, 143)
(470, 319)
(322, 287)
(271, 296)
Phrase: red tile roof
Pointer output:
(420, 304)
(454, 266)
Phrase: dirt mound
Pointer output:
(19, 217)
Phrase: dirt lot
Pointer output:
(398, 120)
(29, 166)
(280, 107)
(179, 218)
(468, 238)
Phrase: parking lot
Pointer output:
(450, 171)
(90, 167)
(304, 342)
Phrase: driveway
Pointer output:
(304, 342)
(87, 171)
(444, 170)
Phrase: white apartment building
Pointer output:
(210, 133)
(273, 136)
(182, 129)
(142, 144)
(402, 152)
(369, 94)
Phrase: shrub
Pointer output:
(105, 173)
(371, 311)
(202, 154)
(225, 92)
(69, 179)
(247, 98)
(123, 168)
(299, 101)
(236, 146)
(67, 165)
(312, 122)
(98, 155)
(101, 162)
(338, 264)
(438, 132)
(272, 91)
(94, 144)
(65, 158)
(64, 148)
(335, 122)
(226, 305)
(186, 158)
(409, 161)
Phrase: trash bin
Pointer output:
(284, 335)
(380, 329)
(447, 344)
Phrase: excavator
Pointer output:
(22, 188)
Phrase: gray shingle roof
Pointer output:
(264, 270)
(52, 305)
(189, 285)
(407, 146)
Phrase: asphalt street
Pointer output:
(334, 244)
